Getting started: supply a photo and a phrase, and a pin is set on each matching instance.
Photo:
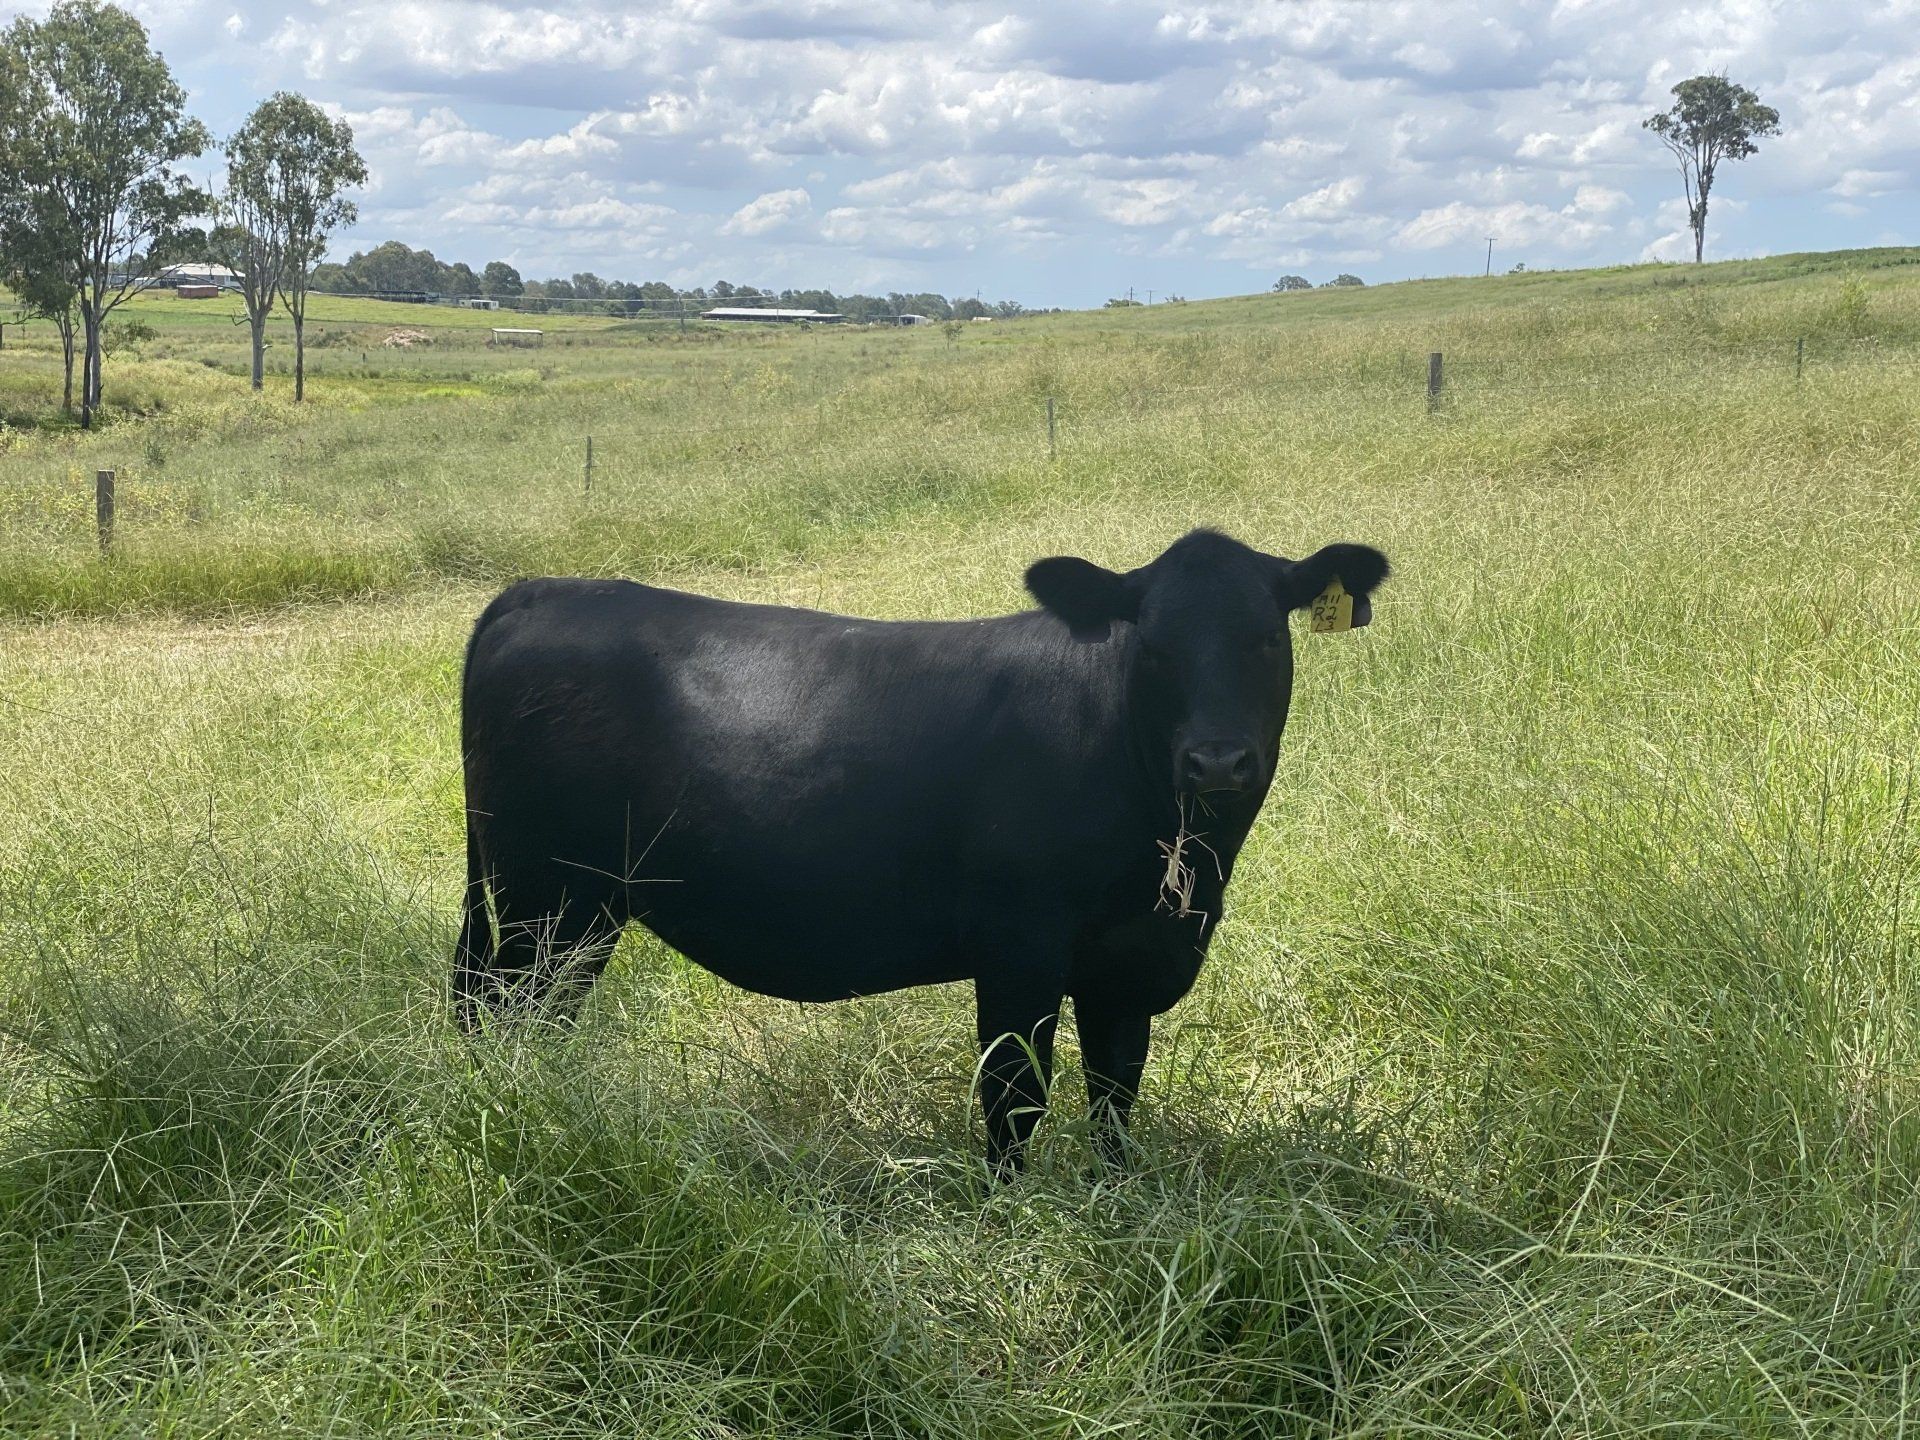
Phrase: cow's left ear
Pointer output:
(1081, 593)
(1358, 568)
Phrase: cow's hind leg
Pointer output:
(475, 984)
(553, 944)
(1113, 1051)
(475, 981)
(1016, 1023)
(549, 961)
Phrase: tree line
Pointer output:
(1287, 283)
(94, 136)
(396, 269)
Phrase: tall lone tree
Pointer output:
(94, 134)
(297, 163)
(250, 230)
(1712, 120)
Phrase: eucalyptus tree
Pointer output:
(501, 280)
(34, 255)
(312, 165)
(95, 130)
(1711, 121)
(250, 230)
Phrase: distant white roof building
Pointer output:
(913, 319)
(195, 272)
(789, 317)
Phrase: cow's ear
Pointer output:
(1358, 568)
(1081, 593)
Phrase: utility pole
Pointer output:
(1489, 254)
(1149, 297)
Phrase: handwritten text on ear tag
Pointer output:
(1334, 611)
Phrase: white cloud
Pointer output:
(1328, 203)
(883, 232)
(1598, 200)
(1610, 140)
(1856, 183)
(773, 211)
(1576, 225)
(1674, 245)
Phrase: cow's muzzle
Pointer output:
(1218, 768)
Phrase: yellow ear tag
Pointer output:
(1332, 609)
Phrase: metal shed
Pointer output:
(772, 316)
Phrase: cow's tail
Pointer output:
(473, 955)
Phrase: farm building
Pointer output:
(196, 292)
(913, 320)
(195, 273)
(778, 317)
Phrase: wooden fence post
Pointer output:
(103, 508)
(1799, 356)
(1051, 451)
(1433, 380)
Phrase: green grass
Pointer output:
(163, 307)
(1555, 1072)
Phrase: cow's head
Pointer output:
(1214, 666)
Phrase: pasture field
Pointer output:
(1555, 1072)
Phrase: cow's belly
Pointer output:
(795, 951)
(802, 923)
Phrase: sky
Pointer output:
(1063, 153)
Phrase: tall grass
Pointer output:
(1554, 1074)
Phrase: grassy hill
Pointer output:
(1555, 1071)
(449, 460)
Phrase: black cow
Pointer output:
(818, 807)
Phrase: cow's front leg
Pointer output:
(1113, 1051)
(1016, 1020)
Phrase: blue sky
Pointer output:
(1060, 154)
